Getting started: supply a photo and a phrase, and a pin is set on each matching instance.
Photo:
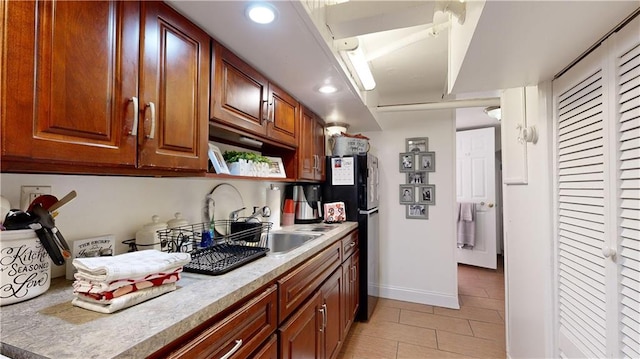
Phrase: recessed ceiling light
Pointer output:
(327, 89)
(261, 13)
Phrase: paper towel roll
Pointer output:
(273, 201)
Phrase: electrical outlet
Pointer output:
(29, 193)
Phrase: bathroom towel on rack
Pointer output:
(466, 225)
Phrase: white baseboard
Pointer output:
(418, 296)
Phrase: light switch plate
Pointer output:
(29, 193)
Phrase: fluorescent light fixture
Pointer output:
(327, 89)
(494, 112)
(261, 13)
(359, 62)
(250, 141)
(336, 128)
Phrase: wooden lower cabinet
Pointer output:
(269, 350)
(315, 330)
(307, 313)
(237, 335)
(351, 294)
(300, 335)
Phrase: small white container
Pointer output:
(177, 221)
(25, 266)
(147, 237)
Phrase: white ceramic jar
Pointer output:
(25, 267)
(147, 237)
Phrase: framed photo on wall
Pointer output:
(417, 144)
(407, 162)
(407, 194)
(417, 178)
(417, 211)
(427, 194)
(427, 162)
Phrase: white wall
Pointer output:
(528, 237)
(417, 257)
(121, 205)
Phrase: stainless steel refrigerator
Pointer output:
(354, 180)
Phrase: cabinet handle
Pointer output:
(324, 316)
(136, 115)
(321, 310)
(355, 273)
(352, 244)
(233, 350)
(315, 162)
(152, 107)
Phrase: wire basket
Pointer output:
(219, 248)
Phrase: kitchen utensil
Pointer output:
(227, 198)
(48, 222)
(17, 219)
(45, 200)
(5, 206)
(64, 200)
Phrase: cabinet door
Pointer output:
(319, 151)
(239, 93)
(332, 305)
(284, 111)
(269, 350)
(306, 154)
(69, 71)
(300, 336)
(354, 287)
(174, 92)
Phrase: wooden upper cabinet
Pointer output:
(174, 90)
(283, 116)
(68, 97)
(239, 93)
(83, 94)
(245, 100)
(311, 151)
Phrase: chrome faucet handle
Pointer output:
(234, 215)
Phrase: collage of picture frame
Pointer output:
(417, 162)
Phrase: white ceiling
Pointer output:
(515, 43)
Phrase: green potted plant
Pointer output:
(247, 163)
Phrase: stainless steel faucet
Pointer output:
(233, 216)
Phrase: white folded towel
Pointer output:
(88, 286)
(125, 301)
(128, 265)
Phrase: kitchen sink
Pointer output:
(316, 228)
(282, 242)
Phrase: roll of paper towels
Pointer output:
(273, 202)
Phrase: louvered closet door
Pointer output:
(581, 208)
(627, 80)
(597, 192)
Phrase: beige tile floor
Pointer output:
(402, 330)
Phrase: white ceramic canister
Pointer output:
(25, 266)
(147, 237)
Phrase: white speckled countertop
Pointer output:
(48, 326)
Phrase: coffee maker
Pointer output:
(307, 199)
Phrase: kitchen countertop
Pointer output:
(48, 326)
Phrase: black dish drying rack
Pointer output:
(215, 249)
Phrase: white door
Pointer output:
(597, 201)
(475, 182)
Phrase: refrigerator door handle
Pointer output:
(368, 211)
